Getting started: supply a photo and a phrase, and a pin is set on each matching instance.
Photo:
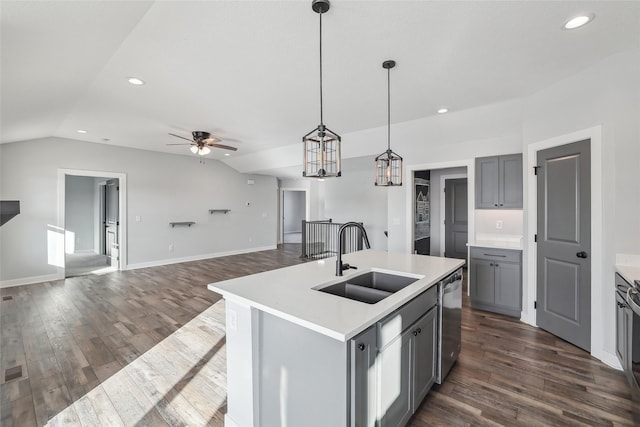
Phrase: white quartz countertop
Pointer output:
(289, 292)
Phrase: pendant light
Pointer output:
(388, 164)
(321, 146)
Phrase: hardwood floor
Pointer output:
(147, 347)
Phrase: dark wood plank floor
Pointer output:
(147, 347)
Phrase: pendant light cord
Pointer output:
(389, 108)
(321, 115)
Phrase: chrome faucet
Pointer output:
(340, 267)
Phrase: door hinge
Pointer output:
(117, 222)
(118, 188)
(535, 238)
(535, 169)
(535, 304)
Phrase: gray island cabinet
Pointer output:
(298, 356)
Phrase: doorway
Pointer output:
(294, 211)
(564, 242)
(435, 217)
(91, 206)
(456, 219)
(600, 294)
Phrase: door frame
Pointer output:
(307, 207)
(410, 196)
(122, 209)
(599, 292)
(443, 180)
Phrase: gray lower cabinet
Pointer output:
(363, 351)
(425, 353)
(393, 364)
(499, 182)
(496, 280)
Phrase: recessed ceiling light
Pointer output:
(136, 81)
(578, 21)
(81, 131)
(443, 110)
(227, 154)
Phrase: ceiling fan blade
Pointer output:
(225, 147)
(178, 136)
(211, 140)
(182, 144)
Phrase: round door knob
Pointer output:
(415, 333)
(361, 347)
(419, 330)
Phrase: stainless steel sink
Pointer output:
(370, 287)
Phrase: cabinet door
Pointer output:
(482, 287)
(510, 182)
(487, 182)
(508, 285)
(394, 387)
(425, 349)
(622, 332)
(363, 379)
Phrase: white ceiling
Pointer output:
(247, 71)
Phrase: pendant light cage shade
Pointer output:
(321, 153)
(388, 164)
(321, 147)
(388, 169)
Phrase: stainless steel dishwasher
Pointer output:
(449, 323)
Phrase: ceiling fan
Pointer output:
(202, 141)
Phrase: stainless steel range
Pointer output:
(633, 301)
(628, 337)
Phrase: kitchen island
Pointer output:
(300, 356)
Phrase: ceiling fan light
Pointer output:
(194, 149)
(204, 150)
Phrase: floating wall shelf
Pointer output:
(187, 223)
(224, 211)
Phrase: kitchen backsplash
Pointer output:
(498, 223)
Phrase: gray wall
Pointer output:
(294, 210)
(354, 197)
(161, 188)
(80, 211)
(606, 94)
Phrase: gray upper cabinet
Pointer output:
(499, 182)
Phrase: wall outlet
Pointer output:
(170, 247)
(499, 224)
(138, 218)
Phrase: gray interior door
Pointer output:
(112, 220)
(456, 218)
(564, 242)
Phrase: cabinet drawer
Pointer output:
(494, 254)
(394, 324)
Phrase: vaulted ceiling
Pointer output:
(247, 71)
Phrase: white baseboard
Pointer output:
(611, 360)
(85, 251)
(229, 422)
(196, 257)
(30, 280)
